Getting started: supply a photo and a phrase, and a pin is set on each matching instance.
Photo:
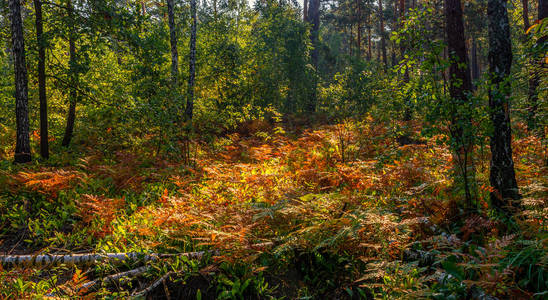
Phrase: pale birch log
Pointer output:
(152, 286)
(115, 277)
(90, 258)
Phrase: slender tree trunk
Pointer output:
(314, 18)
(143, 8)
(402, 11)
(395, 28)
(305, 10)
(535, 74)
(474, 62)
(359, 42)
(173, 42)
(351, 43)
(459, 86)
(381, 32)
(44, 147)
(407, 114)
(525, 14)
(22, 144)
(71, 118)
(369, 54)
(192, 63)
(502, 174)
(378, 46)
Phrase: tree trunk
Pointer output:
(143, 8)
(305, 11)
(22, 145)
(192, 63)
(381, 33)
(314, 18)
(395, 28)
(502, 175)
(359, 42)
(173, 42)
(407, 114)
(378, 46)
(474, 62)
(71, 118)
(459, 86)
(44, 147)
(534, 76)
(369, 54)
(351, 44)
(525, 14)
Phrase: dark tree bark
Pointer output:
(22, 145)
(44, 147)
(525, 14)
(314, 19)
(381, 33)
(502, 174)
(359, 23)
(71, 117)
(192, 63)
(460, 86)
(534, 77)
(395, 25)
(542, 9)
(173, 42)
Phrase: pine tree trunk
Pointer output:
(22, 145)
(474, 62)
(369, 53)
(192, 63)
(395, 29)
(44, 147)
(407, 114)
(381, 33)
(351, 44)
(143, 8)
(459, 86)
(305, 10)
(71, 117)
(525, 14)
(502, 175)
(534, 76)
(359, 42)
(314, 18)
(378, 48)
(173, 42)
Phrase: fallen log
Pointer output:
(152, 286)
(90, 258)
(113, 278)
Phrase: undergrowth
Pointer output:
(338, 211)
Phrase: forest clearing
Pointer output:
(226, 149)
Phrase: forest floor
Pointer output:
(331, 212)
